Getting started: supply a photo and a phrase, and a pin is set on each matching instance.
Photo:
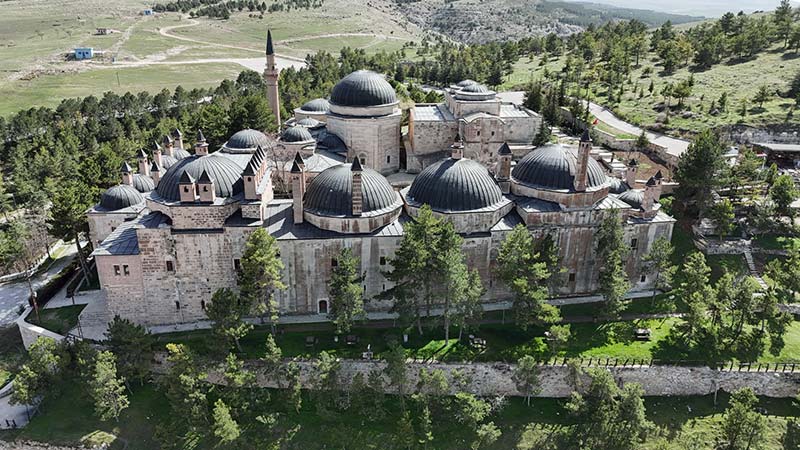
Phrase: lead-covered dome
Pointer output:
(633, 197)
(143, 183)
(475, 88)
(331, 192)
(225, 173)
(247, 139)
(363, 88)
(455, 185)
(296, 133)
(465, 83)
(318, 105)
(119, 197)
(553, 167)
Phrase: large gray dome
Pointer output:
(331, 192)
(363, 88)
(455, 185)
(317, 105)
(247, 139)
(120, 196)
(143, 183)
(296, 133)
(225, 173)
(553, 167)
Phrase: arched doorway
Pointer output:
(322, 307)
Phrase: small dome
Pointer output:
(363, 88)
(296, 134)
(225, 173)
(553, 167)
(319, 105)
(143, 183)
(617, 186)
(475, 88)
(455, 185)
(168, 161)
(247, 140)
(465, 83)
(308, 122)
(120, 196)
(633, 197)
(331, 192)
(180, 153)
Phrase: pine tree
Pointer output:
(224, 427)
(658, 262)
(260, 276)
(612, 252)
(132, 345)
(226, 311)
(346, 294)
(742, 426)
(526, 377)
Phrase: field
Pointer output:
(166, 50)
(773, 68)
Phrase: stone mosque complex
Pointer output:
(343, 174)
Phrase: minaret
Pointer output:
(271, 73)
(582, 164)
(357, 192)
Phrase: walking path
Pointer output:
(15, 294)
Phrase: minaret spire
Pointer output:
(271, 73)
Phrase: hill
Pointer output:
(479, 21)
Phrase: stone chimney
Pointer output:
(504, 168)
(357, 188)
(298, 174)
(144, 165)
(652, 192)
(201, 146)
(178, 137)
(127, 173)
(205, 186)
(157, 155)
(155, 172)
(250, 180)
(630, 173)
(582, 163)
(167, 143)
(187, 188)
(457, 149)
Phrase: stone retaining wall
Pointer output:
(30, 332)
(490, 379)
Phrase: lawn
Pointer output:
(68, 419)
(772, 242)
(57, 320)
(11, 352)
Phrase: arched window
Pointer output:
(362, 158)
(322, 307)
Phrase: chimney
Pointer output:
(157, 154)
(357, 190)
(582, 164)
(201, 147)
(504, 168)
(205, 186)
(187, 188)
(127, 173)
(144, 166)
(168, 147)
(178, 137)
(652, 192)
(250, 181)
(155, 172)
(630, 173)
(298, 175)
(457, 149)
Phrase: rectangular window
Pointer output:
(170, 267)
(334, 262)
(634, 244)
(643, 278)
(125, 270)
(116, 270)
(388, 159)
(572, 277)
(383, 260)
(237, 264)
(177, 305)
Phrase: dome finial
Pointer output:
(270, 48)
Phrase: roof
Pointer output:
(124, 240)
(331, 192)
(270, 49)
(510, 111)
(296, 134)
(504, 149)
(119, 197)
(143, 183)
(363, 88)
(553, 167)
(309, 122)
(788, 148)
(248, 139)
(465, 83)
(126, 168)
(617, 186)
(454, 185)
(225, 173)
(316, 105)
(475, 88)
(432, 113)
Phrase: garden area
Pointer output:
(58, 320)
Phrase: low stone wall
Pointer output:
(490, 379)
(30, 332)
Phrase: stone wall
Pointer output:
(490, 379)
(30, 333)
(776, 134)
(376, 139)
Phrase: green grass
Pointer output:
(720, 264)
(57, 320)
(68, 420)
(12, 353)
(772, 242)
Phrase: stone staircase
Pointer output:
(751, 265)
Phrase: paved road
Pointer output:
(674, 146)
(16, 293)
